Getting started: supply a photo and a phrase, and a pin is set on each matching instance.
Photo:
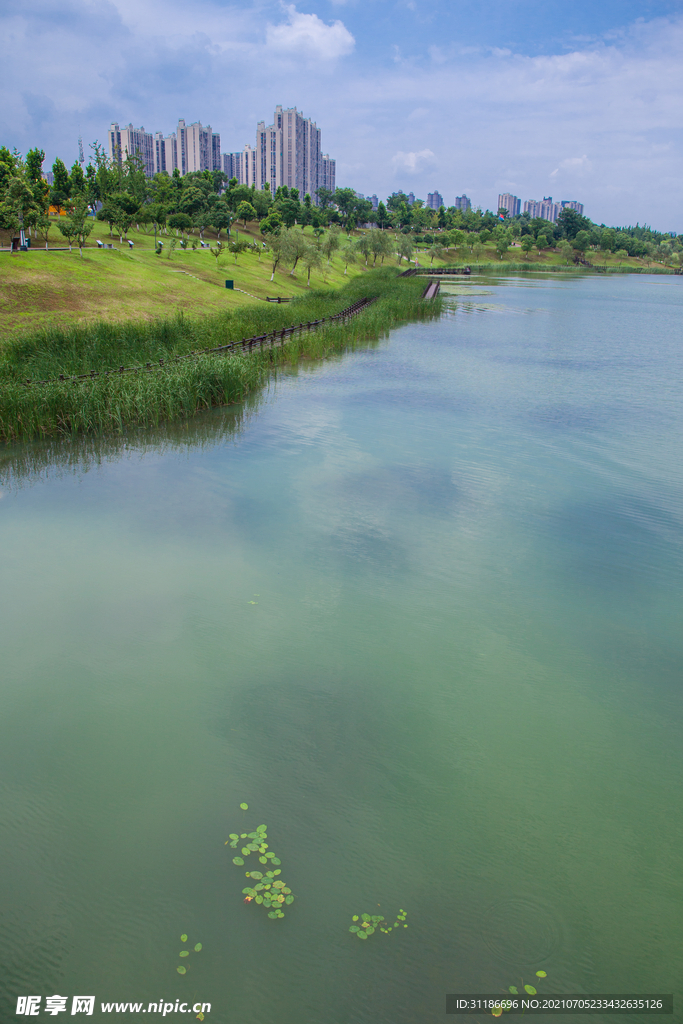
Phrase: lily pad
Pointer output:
(249, 892)
(276, 860)
(198, 947)
(259, 899)
(185, 952)
(256, 874)
(233, 835)
(365, 917)
(181, 970)
(278, 872)
(355, 917)
(261, 828)
(353, 928)
(286, 891)
(263, 860)
(361, 934)
(530, 989)
(244, 807)
(513, 989)
(271, 913)
(497, 1011)
(183, 938)
(541, 974)
(254, 835)
(370, 930)
(238, 861)
(289, 899)
(252, 846)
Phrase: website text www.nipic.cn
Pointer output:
(31, 1006)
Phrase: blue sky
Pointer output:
(578, 100)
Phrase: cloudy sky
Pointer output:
(578, 99)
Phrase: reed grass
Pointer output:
(113, 404)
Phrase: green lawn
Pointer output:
(57, 288)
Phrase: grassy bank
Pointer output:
(113, 404)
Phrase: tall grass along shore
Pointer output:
(179, 388)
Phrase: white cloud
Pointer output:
(307, 35)
(576, 165)
(413, 163)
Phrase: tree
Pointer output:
(43, 225)
(311, 258)
(331, 243)
(261, 201)
(34, 165)
(581, 241)
(289, 210)
(566, 250)
(478, 248)
(294, 248)
(527, 244)
(245, 212)
(271, 224)
(502, 245)
(362, 245)
(157, 215)
(325, 197)
(275, 247)
(238, 246)
(192, 200)
(125, 208)
(179, 222)
(380, 245)
(436, 251)
(405, 249)
(60, 191)
(382, 216)
(217, 251)
(221, 218)
(76, 181)
(345, 200)
(78, 226)
(541, 242)
(570, 222)
(349, 253)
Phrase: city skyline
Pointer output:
(529, 74)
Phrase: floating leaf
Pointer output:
(355, 917)
(276, 860)
(256, 874)
(286, 891)
(541, 974)
(264, 860)
(361, 934)
(513, 989)
(252, 846)
(183, 938)
(497, 1011)
(271, 913)
(261, 828)
(405, 925)
(278, 872)
(245, 851)
(530, 989)
(244, 836)
(371, 930)
(181, 970)
(244, 807)
(365, 917)
(234, 843)
(353, 928)
(270, 855)
(254, 835)
(238, 861)
(259, 899)
(185, 952)
(249, 892)
(198, 947)
(289, 899)
(233, 835)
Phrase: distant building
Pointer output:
(240, 165)
(165, 153)
(288, 152)
(129, 141)
(410, 196)
(571, 204)
(511, 203)
(434, 200)
(198, 148)
(544, 208)
(50, 179)
(462, 203)
(374, 200)
(328, 174)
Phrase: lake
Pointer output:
(419, 607)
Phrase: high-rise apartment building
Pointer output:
(462, 203)
(571, 204)
(129, 141)
(434, 200)
(374, 200)
(511, 203)
(546, 208)
(288, 152)
(328, 172)
(199, 149)
(165, 153)
(240, 165)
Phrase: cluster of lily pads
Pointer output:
(529, 989)
(269, 891)
(370, 923)
(182, 969)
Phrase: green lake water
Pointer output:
(419, 607)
